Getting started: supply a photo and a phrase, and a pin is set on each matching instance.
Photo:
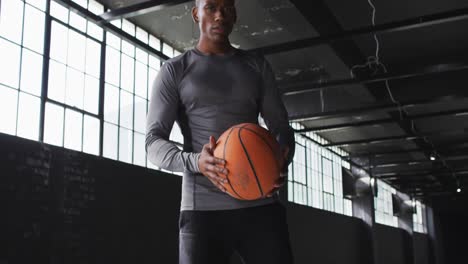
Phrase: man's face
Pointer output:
(216, 18)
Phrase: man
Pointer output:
(207, 90)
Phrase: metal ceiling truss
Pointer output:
(139, 9)
(421, 173)
(453, 150)
(381, 121)
(375, 108)
(407, 24)
(313, 86)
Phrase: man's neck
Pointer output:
(214, 48)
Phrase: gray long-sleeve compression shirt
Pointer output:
(206, 95)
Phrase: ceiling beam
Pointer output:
(421, 173)
(380, 121)
(403, 25)
(139, 9)
(370, 141)
(416, 161)
(375, 108)
(313, 86)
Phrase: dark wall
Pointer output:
(390, 245)
(451, 214)
(322, 237)
(68, 207)
(421, 248)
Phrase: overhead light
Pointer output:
(458, 190)
(432, 156)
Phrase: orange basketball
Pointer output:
(253, 159)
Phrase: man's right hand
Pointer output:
(211, 167)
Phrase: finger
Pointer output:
(213, 176)
(216, 169)
(213, 160)
(217, 184)
(212, 143)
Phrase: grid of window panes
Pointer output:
(72, 108)
(71, 114)
(383, 205)
(22, 26)
(316, 175)
(127, 91)
(419, 218)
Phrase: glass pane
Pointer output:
(53, 127)
(125, 145)
(168, 50)
(34, 23)
(77, 21)
(140, 114)
(142, 55)
(117, 23)
(152, 74)
(11, 20)
(57, 81)
(76, 50)
(28, 116)
(111, 104)
(58, 11)
(74, 92)
(142, 35)
(31, 72)
(41, 4)
(73, 129)
(126, 109)
(128, 27)
(10, 63)
(127, 73)
(139, 155)
(59, 42)
(95, 7)
(93, 57)
(110, 141)
(112, 66)
(95, 31)
(113, 40)
(155, 43)
(83, 3)
(128, 48)
(8, 105)
(91, 135)
(141, 79)
(154, 62)
(91, 95)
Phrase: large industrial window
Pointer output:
(419, 218)
(72, 104)
(22, 27)
(383, 205)
(315, 177)
(69, 105)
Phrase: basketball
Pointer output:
(253, 159)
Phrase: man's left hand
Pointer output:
(283, 175)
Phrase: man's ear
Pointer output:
(195, 15)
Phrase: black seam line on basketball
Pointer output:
(260, 136)
(224, 158)
(250, 162)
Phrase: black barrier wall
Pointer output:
(61, 206)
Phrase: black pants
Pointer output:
(258, 234)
